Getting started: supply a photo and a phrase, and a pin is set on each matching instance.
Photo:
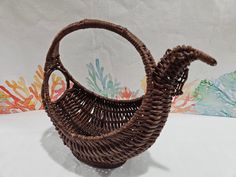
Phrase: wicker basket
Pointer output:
(104, 132)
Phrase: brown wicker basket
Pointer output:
(104, 132)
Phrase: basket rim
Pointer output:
(90, 91)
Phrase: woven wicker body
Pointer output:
(104, 132)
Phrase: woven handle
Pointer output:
(148, 60)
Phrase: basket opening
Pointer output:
(57, 84)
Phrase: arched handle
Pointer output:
(53, 52)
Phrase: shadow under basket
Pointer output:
(104, 132)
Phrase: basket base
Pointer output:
(99, 165)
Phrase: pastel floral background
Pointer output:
(208, 97)
(107, 64)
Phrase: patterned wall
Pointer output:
(107, 64)
(208, 97)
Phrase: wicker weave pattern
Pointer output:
(104, 132)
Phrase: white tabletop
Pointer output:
(189, 145)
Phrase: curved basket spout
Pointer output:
(173, 67)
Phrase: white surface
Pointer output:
(189, 145)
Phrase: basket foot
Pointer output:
(97, 164)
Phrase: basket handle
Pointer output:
(53, 53)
